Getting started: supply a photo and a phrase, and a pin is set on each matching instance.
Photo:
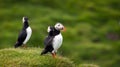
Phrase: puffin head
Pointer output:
(25, 19)
(59, 26)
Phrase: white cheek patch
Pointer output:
(23, 20)
(48, 30)
(59, 26)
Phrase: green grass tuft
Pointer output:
(30, 57)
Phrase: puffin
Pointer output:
(24, 34)
(54, 39)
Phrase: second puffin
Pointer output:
(24, 35)
(54, 39)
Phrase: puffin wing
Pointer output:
(22, 36)
(48, 45)
(48, 40)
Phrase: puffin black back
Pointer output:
(53, 31)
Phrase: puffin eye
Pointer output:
(59, 25)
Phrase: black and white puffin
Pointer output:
(25, 33)
(54, 39)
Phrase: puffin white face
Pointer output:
(59, 26)
(24, 19)
(48, 30)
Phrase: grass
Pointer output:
(30, 57)
(88, 24)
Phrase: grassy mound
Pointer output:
(30, 57)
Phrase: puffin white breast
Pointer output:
(57, 42)
(29, 32)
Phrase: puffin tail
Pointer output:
(44, 52)
(17, 44)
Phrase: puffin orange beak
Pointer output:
(64, 29)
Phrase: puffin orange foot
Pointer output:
(54, 55)
(24, 46)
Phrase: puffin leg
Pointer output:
(54, 55)
(24, 46)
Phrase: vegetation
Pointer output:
(93, 27)
(30, 57)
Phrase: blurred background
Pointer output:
(93, 27)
